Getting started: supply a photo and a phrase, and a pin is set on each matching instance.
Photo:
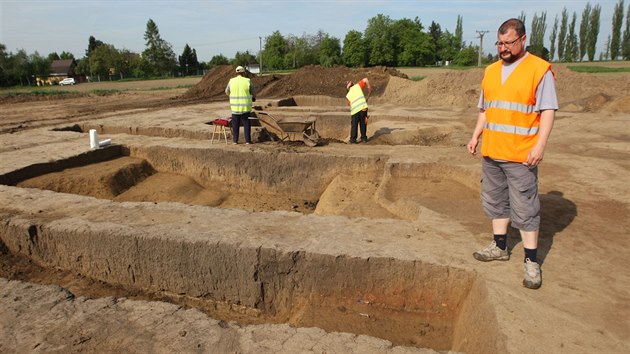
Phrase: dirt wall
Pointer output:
(410, 302)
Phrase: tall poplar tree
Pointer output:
(537, 35)
(584, 29)
(593, 32)
(562, 35)
(552, 38)
(459, 34)
(571, 50)
(625, 43)
(615, 39)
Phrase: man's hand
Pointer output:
(474, 140)
(535, 156)
(472, 146)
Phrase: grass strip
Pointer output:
(597, 69)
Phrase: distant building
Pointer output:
(253, 68)
(59, 70)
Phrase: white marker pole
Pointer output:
(93, 139)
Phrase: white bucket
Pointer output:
(93, 139)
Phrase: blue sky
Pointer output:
(225, 27)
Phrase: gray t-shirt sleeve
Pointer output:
(481, 101)
(227, 89)
(546, 96)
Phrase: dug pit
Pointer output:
(408, 302)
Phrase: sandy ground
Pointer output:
(433, 216)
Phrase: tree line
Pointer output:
(385, 41)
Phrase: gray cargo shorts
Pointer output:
(510, 190)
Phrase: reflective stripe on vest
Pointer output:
(512, 106)
(240, 98)
(357, 99)
(511, 127)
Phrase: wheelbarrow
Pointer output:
(287, 128)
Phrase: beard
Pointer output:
(507, 56)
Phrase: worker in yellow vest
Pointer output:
(516, 114)
(358, 108)
(242, 93)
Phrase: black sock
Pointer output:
(531, 254)
(501, 241)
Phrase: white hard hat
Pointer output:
(240, 69)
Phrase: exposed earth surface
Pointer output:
(170, 240)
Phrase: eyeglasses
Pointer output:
(508, 44)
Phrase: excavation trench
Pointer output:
(332, 122)
(408, 302)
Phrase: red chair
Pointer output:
(219, 127)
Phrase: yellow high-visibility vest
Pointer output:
(356, 98)
(240, 97)
(511, 127)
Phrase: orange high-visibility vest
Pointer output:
(511, 127)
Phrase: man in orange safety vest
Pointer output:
(516, 113)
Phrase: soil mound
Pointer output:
(308, 80)
(576, 91)
(590, 92)
(316, 80)
(456, 88)
(212, 85)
